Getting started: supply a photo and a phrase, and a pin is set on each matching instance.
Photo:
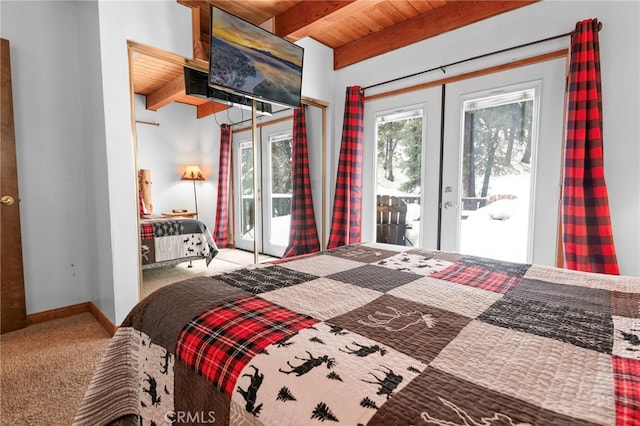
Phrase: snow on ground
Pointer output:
(498, 230)
(485, 234)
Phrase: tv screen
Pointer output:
(250, 60)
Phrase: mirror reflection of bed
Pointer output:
(176, 245)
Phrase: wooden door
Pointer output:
(13, 308)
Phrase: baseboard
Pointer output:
(68, 311)
(102, 319)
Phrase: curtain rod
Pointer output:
(147, 122)
(442, 67)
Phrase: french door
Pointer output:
(502, 163)
(274, 188)
(407, 134)
(489, 172)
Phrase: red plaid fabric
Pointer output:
(141, 208)
(219, 343)
(626, 376)
(303, 234)
(146, 231)
(495, 281)
(347, 205)
(587, 234)
(221, 228)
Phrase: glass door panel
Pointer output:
(274, 188)
(498, 199)
(278, 193)
(399, 176)
(401, 158)
(496, 175)
(244, 202)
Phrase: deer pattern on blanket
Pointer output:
(156, 383)
(365, 334)
(350, 383)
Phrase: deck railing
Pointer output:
(280, 206)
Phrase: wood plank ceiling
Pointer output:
(356, 30)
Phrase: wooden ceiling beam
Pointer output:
(446, 18)
(192, 3)
(199, 42)
(209, 108)
(298, 21)
(166, 94)
(174, 92)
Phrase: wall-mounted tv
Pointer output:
(250, 60)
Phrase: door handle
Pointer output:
(449, 205)
(7, 200)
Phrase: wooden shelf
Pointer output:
(181, 214)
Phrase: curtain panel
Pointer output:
(303, 234)
(347, 205)
(221, 231)
(586, 223)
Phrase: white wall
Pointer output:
(94, 142)
(52, 144)
(167, 26)
(318, 82)
(620, 57)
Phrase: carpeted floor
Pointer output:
(45, 369)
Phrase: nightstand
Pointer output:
(180, 214)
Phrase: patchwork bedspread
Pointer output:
(378, 335)
(175, 239)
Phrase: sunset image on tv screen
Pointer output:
(248, 59)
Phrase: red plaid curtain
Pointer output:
(347, 205)
(303, 236)
(221, 231)
(586, 223)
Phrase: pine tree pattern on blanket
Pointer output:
(165, 240)
(376, 334)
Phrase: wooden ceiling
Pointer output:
(160, 78)
(356, 30)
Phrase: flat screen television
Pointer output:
(249, 60)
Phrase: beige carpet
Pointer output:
(46, 368)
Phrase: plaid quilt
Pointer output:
(172, 239)
(378, 335)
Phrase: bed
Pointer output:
(171, 240)
(379, 335)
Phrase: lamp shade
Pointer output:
(192, 173)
